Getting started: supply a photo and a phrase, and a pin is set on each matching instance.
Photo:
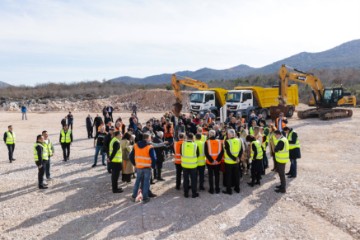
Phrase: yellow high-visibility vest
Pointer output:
(10, 138)
(235, 147)
(297, 143)
(65, 136)
(118, 156)
(188, 155)
(201, 158)
(282, 156)
(44, 154)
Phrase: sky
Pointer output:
(69, 41)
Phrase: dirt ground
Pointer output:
(323, 202)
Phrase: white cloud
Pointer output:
(141, 38)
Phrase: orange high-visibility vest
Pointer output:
(282, 124)
(214, 149)
(177, 147)
(168, 133)
(142, 156)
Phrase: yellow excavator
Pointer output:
(326, 100)
(202, 101)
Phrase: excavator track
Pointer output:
(325, 113)
(335, 113)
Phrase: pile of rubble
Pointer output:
(156, 100)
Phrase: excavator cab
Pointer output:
(331, 97)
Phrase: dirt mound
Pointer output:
(156, 100)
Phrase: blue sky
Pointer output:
(68, 41)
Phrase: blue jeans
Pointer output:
(143, 177)
(293, 167)
(103, 154)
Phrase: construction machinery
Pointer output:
(202, 101)
(243, 100)
(325, 99)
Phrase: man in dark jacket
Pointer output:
(70, 119)
(89, 126)
(97, 122)
(38, 155)
(294, 151)
(143, 157)
(160, 154)
(106, 146)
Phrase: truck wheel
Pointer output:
(264, 113)
(290, 112)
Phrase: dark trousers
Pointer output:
(214, 171)
(232, 172)
(46, 164)
(257, 169)
(280, 168)
(178, 175)
(115, 173)
(11, 149)
(111, 117)
(70, 125)
(66, 150)
(293, 167)
(89, 130)
(190, 173)
(41, 174)
(201, 174)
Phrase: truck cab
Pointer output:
(202, 101)
(240, 101)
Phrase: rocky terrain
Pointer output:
(323, 202)
(155, 100)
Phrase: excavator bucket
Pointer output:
(177, 109)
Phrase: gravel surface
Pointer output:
(321, 203)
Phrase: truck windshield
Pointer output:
(196, 97)
(233, 97)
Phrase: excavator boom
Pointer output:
(176, 82)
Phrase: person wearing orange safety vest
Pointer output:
(232, 152)
(189, 161)
(280, 123)
(214, 153)
(177, 160)
(116, 161)
(143, 156)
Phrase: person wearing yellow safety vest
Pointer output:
(256, 157)
(189, 152)
(50, 152)
(39, 155)
(201, 160)
(214, 152)
(264, 130)
(251, 128)
(199, 130)
(294, 153)
(143, 156)
(272, 144)
(65, 140)
(232, 153)
(9, 139)
(116, 161)
(281, 157)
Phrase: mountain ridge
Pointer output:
(346, 55)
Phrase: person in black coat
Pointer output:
(89, 126)
(97, 122)
(160, 154)
(294, 153)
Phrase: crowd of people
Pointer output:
(232, 149)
